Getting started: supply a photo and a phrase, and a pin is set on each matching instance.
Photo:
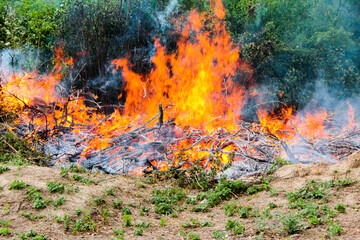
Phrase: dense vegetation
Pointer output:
(295, 46)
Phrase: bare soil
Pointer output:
(13, 204)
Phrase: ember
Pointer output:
(201, 120)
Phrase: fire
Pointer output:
(196, 80)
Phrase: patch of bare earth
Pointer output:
(135, 192)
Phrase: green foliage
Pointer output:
(291, 223)
(244, 212)
(163, 199)
(119, 233)
(4, 169)
(144, 209)
(4, 231)
(32, 235)
(83, 179)
(168, 195)
(29, 216)
(5, 223)
(33, 193)
(117, 203)
(77, 168)
(55, 187)
(126, 211)
(235, 226)
(18, 151)
(58, 201)
(163, 221)
(66, 220)
(40, 203)
(164, 208)
(127, 220)
(17, 184)
(64, 172)
(335, 229)
(340, 207)
(313, 189)
(99, 201)
(230, 208)
(85, 223)
(217, 235)
(28, 22)
(193, 236)
(138, 232)
(109, 191)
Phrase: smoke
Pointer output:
(163, 15)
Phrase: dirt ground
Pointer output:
(135, 192)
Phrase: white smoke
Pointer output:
(163, 15)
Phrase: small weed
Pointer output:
(105, 214)
(17, 184)
(118, 232)
(32, 235)
(217, 235)
(193, 236)
(33, 193)
(99, 201)
(194, 223)
(82, 179)
(143, 210)
(66, 222)
(4, 169)
(138, 232)
(28, 215)
(4, 231)
(109, 191)
(127, 220)
(258, 188)
(77, 169)
(143, 224)
(55, 187)
(230, 208)
(132, 205)
(117, 203)
(335, 229)
(273, 192)
(58, 201)
(64, 172)
(291, 224)
(244, 212)
(40, 204)
(78, 212)
(84, 224)
(126, 211)
(5, 223)
(207, 224)
(201, 208)
(272, 205)
(340, 208)
(164, 208)
(163, 222)
(58, 219)
(235, 226)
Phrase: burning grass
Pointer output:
(201, 123)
